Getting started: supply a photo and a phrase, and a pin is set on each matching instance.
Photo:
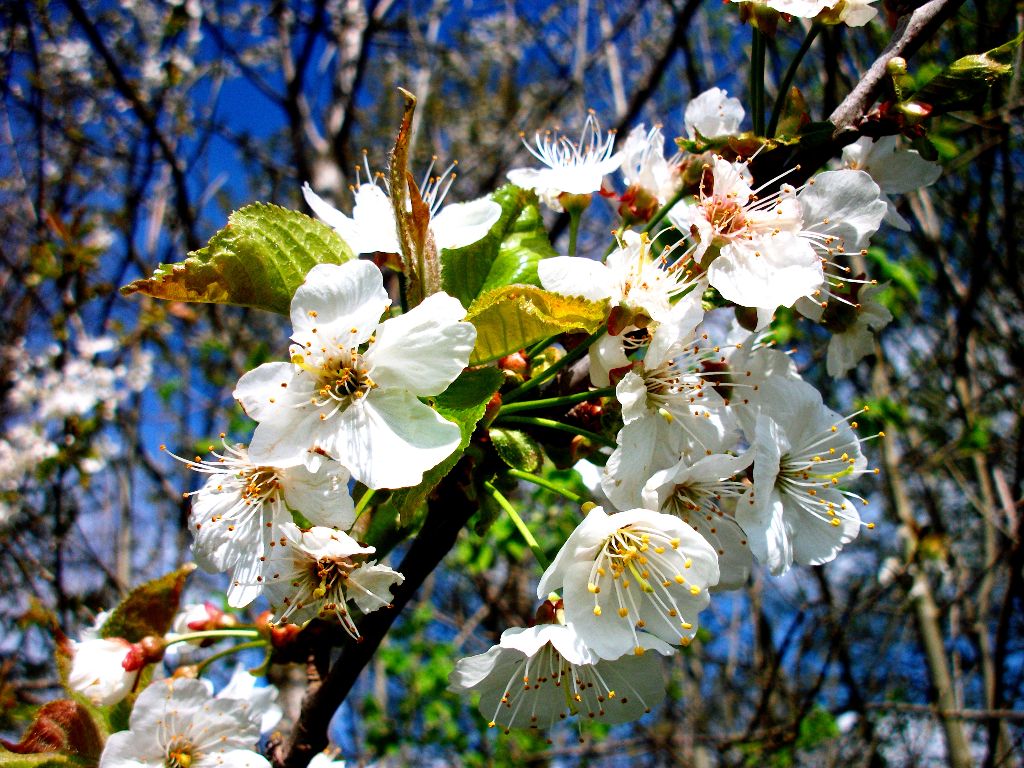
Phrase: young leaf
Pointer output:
(463, 403)
(507, 255)
(257, 260)
(149, 608)
(966, 81)
(517, 449)
(515, 316)
(59, 726)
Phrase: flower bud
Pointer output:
(105, 670)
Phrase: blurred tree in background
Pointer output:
(129, 131)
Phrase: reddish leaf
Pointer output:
(63, 726)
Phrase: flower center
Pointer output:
(725, 215)
(341, 379)
(180, 753)
(259, 483)
(330, 573)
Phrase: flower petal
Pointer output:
(424, 350)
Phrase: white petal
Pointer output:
(370, 586)
(389, 439)
(374, 216)
(713, 113)
(322, 497)
(462, 224)
(424, 350)
(336, 299)
(576, 276)
(266, 390)
(844, 204)
(767, 272)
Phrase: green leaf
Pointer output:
(966, 81)
(257, 260)
(515, 316)
(507, 255)
(517, 449)
(149, 608)
(464, 403)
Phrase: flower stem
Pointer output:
(364, 502)
(757, 50)
(536, 421)
(517, 521)
(544, 483)
(227, 652)
(571, 357)
(208, 633)
(574, 227)
(787, 80)
(549, 402)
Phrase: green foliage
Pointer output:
(257, 260)
(149, 608)
(513, 317)
(464, 403)
(506, 256)
(965, 83)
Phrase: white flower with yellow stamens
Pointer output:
(352, 388)
(176, 723)
(241, 507)
(696, 493)
(629, 573)
(803, 451)
(539, 676)
(317, 572)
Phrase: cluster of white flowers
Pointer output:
(346, 406)
(725, 454)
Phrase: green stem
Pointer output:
(571, 357)
(550, 402)
(364, 501)
(519, 524)
(757, 49)
(663, 211)
(227, 652)
(208, 633)
(575, 214)
(543, 483)
(787, 80)
(536, 421)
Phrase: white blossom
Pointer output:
(100, 669)
(698, 494)
(372, 226)
(713, 113)
(644, 165)
(317, 572)
(631, 573)
(351, 390)
(539, 676)
(849, 346)
(240, 509)
(570, 167)
(767, 252)
(795, 511)
(176, 723)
